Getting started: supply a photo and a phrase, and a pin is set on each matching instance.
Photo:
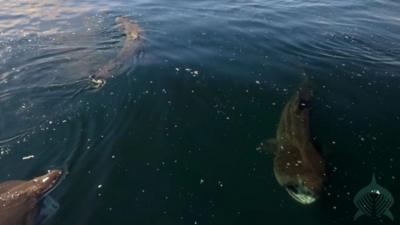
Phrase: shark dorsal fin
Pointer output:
(373, 180)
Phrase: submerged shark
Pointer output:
(298, 167)
(132, 36)
(20, 200)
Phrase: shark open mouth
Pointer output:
(301, 194)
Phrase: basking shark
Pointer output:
(20, 200)
(298, 167)
(132, 36)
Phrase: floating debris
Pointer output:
(28, 157)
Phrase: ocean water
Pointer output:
(172, 137)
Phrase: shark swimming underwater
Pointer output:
(131, 44)
(298, 167)
(20, 200)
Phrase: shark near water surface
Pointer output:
(20, 200)
(131, 44)
(298, 166)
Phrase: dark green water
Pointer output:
(172, 138)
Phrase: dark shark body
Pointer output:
(298, 166)
(132, 36)
(19, 200)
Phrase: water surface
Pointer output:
(172, 138)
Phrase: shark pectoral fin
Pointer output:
(268, 146)
(389, 214)
(358, 214)
(49, 208)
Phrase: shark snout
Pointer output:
(43, 184)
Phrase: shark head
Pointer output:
(19, 200)
(40, 186)
(303, 191)
(130, 28)
(302, 178)
(36, 188)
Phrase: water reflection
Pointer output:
(24, 17)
